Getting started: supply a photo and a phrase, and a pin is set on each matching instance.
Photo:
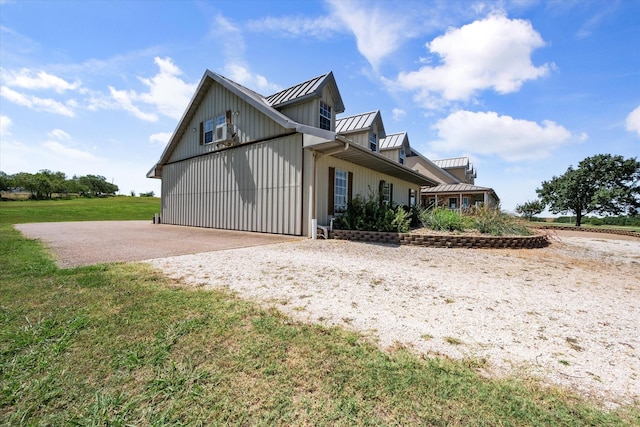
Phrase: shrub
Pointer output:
(493, 221)
(402, 220)
(371, 215)
(442, 219)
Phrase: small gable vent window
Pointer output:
(402, 156)
(325, 116)
(373, 141)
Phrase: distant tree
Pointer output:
(133, 193)
(6, 182)
(96, 185)
(602, 184)
(148, 194)
(530, 208)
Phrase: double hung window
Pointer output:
(208, 131)
(325, 116)
(373, 141)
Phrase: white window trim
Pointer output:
(340, 200)
(325, 113)
(373, 142)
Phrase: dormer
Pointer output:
(314, 102)
(395, 146)
(366, 129)
(460, 167)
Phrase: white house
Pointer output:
(276, 164)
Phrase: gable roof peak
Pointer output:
(311, 88)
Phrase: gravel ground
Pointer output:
(568, 314)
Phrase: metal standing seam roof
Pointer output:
(310, 88)
(393, 141)
(357, 122)
(457, 188)
(456, 162)
(296, 92)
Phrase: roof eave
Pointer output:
(361, 156)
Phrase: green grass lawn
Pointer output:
(120, 344)
(79, 209)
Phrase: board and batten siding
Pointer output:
(365, 181)
(249, 123)
(252, 187)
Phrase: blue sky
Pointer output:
(523, 88)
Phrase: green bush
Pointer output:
(371, 215)
(442, 219)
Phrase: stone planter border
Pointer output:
(443, 241)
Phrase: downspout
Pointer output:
(317, 155)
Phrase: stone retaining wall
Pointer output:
(443, 241)
(591, 230)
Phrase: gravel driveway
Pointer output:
(90, 242)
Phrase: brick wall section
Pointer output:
(443, 241)
(592, 230)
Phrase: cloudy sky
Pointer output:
(524, 88)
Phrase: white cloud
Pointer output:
(487, 133)
(68, 152)
(322, 27)
(596, 20)
(241, 74)
(398, 114)
(168, 94)
(633, 121)
(27, 79)
(160, 139)
(5, 124)
(232, 41)
(167, 91)
(59, 134)
(492, 53)
(124, 99)
(39, 104)
(378, 32)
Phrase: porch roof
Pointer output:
(353, 153)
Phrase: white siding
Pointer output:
(365, 181)
(250, 124)
(308, 113)
(253, 187)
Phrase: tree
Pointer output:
(6, 182)
(530, 208)
(602, 184)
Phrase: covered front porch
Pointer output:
(459, 197)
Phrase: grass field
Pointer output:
(120, 344)
(79, 209)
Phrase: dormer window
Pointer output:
(402, 157)
(325, 116)
(373, 142)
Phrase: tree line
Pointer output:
(45, 183)
(603, 184)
